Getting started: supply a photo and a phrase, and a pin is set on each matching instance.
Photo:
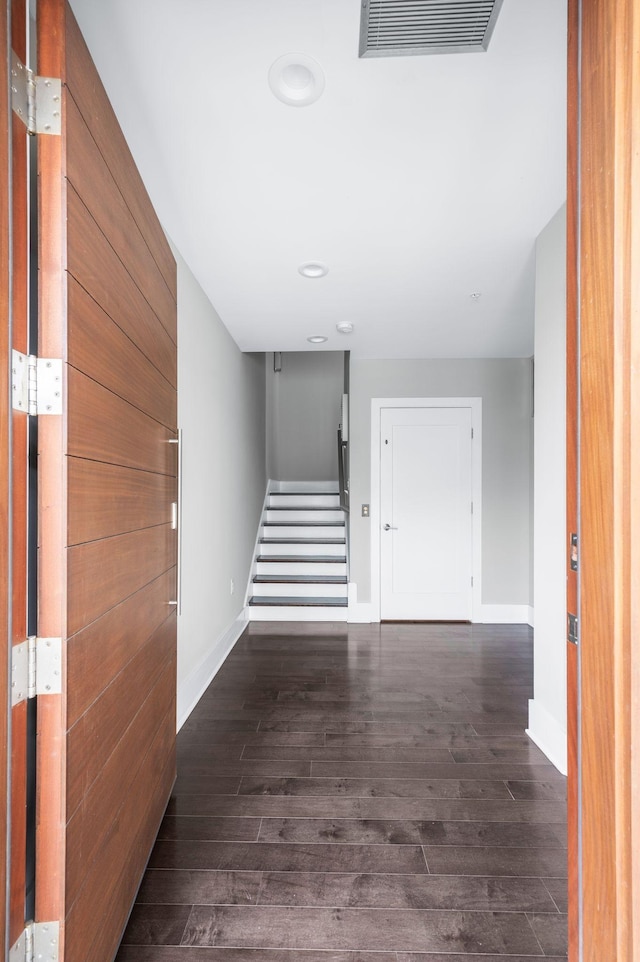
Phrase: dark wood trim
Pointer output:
(51, 762)
(609, 479)
(5, 462)
(573, 827)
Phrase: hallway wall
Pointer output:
(221, 412)
(504, 384)
(303, 411)
(547, 710)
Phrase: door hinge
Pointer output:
(572, 629)
(36, 669)
(36, 100)
(36, 384)
(472, 434)
(39, 942)
(472, 507)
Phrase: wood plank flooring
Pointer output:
(360, 793)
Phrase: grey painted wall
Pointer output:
(505, 388)
(303, 411)
(221, 413)
(548, 709)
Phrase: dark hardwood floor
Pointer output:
(361, 793)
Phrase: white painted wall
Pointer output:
(547, 710)
(505, 388)
(303, 411)
(221, 414)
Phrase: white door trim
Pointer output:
(475, 404)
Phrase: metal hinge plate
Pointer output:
(572, 629)
(36, 669)
(36, 100)
(19, 673)
(39, 941)
(36, 384)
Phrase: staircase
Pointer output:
(300, 572)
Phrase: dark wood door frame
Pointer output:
(604, 295)
(5, 461)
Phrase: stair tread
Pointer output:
(303, 524)
(301, 558)
(301, 579)
(303, 541)
(273, 601)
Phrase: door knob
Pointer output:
(389, 527)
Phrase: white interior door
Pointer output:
(426, 543)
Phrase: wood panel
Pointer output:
(94, 105)
(137, 499)
(110, 642)
(89, 827)
(103, 427)
(141, 837)
(96, 735)
(120, 566)
(573, 764)
(5, 462)
(116, 743)
(96, 187)
(102, 351)
(94, 264)
(609, 318)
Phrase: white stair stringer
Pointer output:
(300, 570)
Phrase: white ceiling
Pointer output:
(417, 180)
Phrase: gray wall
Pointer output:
(221, 413)
(547, 711)
(303, 411)
(505, 388)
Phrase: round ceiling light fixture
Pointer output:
(317, 339)
(345, 327)
(313, 269)
(296, 79)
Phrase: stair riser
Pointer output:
(273, 514)
(293, 531)
(304, 500)
(300, 568)
(306, 590)
(335, 550)
(260, 613)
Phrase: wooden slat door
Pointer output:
(107, 550)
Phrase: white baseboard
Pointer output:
(503, 615)
(531, 616)
(359, 613)
(549, 736)
(191, 690)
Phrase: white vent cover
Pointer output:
(393, 28)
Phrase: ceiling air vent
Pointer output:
(397, 28)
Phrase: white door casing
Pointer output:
(421, 570)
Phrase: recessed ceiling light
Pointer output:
(296, 79)
(313, 269)
(345, 327)
(317, 339)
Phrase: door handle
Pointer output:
(389, 527)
